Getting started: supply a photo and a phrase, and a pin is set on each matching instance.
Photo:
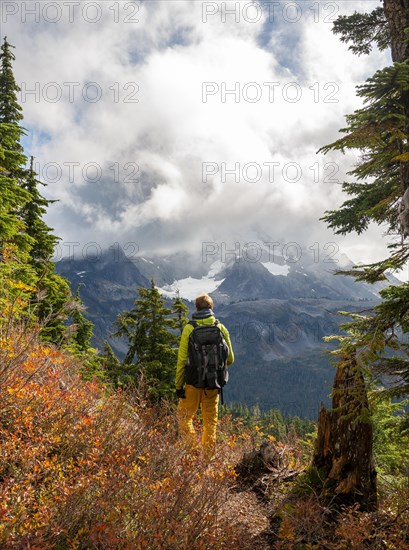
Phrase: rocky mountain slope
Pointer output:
(277, 313)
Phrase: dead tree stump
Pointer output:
(343, 451)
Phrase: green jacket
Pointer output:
(184, 343)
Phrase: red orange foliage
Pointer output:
(81, 467)
(84, 467)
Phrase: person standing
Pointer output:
(194, 390)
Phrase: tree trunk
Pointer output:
(343, 451)
(397, 15)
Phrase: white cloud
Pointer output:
(170, 132)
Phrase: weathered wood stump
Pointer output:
(343, 451)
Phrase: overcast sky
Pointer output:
(172, 123)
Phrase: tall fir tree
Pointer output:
(152, 342)
(32, 213)
(181, 311)
(24, 236)
(380, 131)
(53, 289)
(10, 110)
(12, 158)
(82, 328)
(111, 365)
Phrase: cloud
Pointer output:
(150, 161)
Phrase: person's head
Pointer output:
(203, 301)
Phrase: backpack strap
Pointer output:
(206, 362)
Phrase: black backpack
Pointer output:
(207, 357)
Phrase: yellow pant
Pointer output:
(207, 400)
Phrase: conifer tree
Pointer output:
(10, 110)
(181, 311)
(112, 366)
(29, 205)
(23, 232)
(53, 292)
(12, 158)
(82, 327)
(380, 131)
(150, 331)
(32, 213)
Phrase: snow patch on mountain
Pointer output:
(189, 288)
(276, 269)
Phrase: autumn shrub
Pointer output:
(86, 467)
(303, 523)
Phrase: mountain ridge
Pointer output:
(276, 321)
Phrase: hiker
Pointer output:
(197, 382)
